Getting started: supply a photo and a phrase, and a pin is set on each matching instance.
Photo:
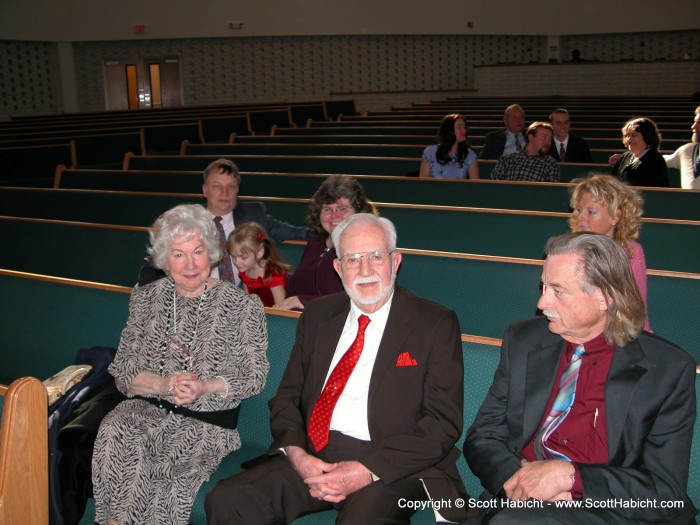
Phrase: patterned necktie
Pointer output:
(320, 420)
(561, 407)
(225, 265)
(518, 146)
(562, 152)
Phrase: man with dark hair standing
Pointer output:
(589, 419)
(369, 408)
(532, 163)
(565, 146)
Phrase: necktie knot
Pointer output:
(362, 321)
(217, 220)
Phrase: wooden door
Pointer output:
(142, 83)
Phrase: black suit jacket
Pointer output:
(414, 413)
(650, 411)
(650, 170)
(495, 143)
(576, 151)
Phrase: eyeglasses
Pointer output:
(340, 210)
(374, 258)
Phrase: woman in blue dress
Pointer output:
(451, 157)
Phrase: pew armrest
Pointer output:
(24, 461)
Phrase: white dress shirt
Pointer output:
(350, 413)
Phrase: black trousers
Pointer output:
(272, 492)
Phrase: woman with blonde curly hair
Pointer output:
(604, 204)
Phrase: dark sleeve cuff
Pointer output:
(577, 488)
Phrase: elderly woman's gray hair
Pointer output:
(365, 218)
(605, 265)
(182, 223)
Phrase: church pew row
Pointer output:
(670, 244)
(598, 142)
(600, 156)
(55, 344)
(261, 117)
(296, 164)
(32, 165)
(346, 165)
(487, 292)
(660, 203)
(673, 132)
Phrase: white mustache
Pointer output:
(550, 313)
(367, 280)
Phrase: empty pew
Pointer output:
(33, 165)
(350, 150)
(286, 164)
(222, 129)
(104, 151)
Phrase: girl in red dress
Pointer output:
(260, 264)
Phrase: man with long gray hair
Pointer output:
(589, 419)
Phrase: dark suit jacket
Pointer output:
(495, 143)
(576, 151)
(650, 411)
(415, 412)
(243, 212)
(278, 231)
(651, 170)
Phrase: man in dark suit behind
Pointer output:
(619, 444)
(509, 140)
(574, 149)
(388, 441)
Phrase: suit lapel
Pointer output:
(397, 329)
(542, 366)
(627, 368)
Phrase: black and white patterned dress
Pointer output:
(148, 465)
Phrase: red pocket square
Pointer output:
(405, 359)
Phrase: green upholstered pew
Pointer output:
(323, 149)
(33, 165)
(290, 164)
(670, 245)
(390, 138)
(91, 252)
(660, 203)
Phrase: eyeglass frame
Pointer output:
(327, 210)
(365, 255)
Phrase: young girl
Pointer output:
(260, 265)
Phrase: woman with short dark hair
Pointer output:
(642, 164)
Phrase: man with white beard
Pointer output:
(368, 430)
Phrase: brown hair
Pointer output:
(249, 237)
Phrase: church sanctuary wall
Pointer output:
(52, 68)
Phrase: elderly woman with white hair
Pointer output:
(193, 348)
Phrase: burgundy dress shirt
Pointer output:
(582, 436)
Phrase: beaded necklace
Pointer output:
(171, 339)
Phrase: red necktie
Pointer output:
(320, 420)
